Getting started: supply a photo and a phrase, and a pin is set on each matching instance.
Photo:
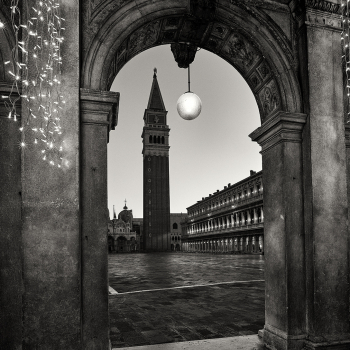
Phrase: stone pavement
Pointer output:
(178, 297)
(247, 342)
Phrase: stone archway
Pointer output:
(57, 278)
(261, 50)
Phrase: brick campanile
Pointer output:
(156, 196)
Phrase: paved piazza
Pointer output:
(174, 297)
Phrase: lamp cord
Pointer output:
(189, 83)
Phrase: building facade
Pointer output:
(227, 221)
(121, 236)
(176, 220)
(156, 195)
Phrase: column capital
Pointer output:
(99, 107)
(282, 127)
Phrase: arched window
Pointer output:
(150, 138)
(163, 140)
(175, 226)
(154, 139)
(158, 139)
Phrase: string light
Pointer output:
(345, 40)
(35, 70)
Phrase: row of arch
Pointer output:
(156, 139)
(238, 219)
(243, 244)
(255, 191)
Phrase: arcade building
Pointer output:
(227, 221)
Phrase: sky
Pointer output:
(206, 153)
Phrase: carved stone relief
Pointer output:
(241, 52)
(144, 37)
(269, 98)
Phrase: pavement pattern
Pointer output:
(176, 297)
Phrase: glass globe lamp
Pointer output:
(189, 106)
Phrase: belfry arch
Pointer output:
(54, 241)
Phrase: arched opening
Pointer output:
(175, 226)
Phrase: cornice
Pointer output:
(282, 127)
(99, 107)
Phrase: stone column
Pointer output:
(248, 218)
(255, 216)
(285, 321)
(98, 116)
(10, 227)
(51, 232)
(325, 197)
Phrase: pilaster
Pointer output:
(280, 138)
(98, 117)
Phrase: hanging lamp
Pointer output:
(189, 105)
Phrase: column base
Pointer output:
(276, 339)
(332, 345)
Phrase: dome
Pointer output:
(189, 106)
(126, 216)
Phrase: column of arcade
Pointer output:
(241, 244)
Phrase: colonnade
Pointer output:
(237, 219)
(242, 244)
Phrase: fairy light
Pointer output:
(35, 70)
(345, 40)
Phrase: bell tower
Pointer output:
(156, 196)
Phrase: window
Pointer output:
(175, 226)
(163, 140)
(150, 138)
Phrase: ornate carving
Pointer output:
(324, 6)
(269, 98)
(183, 53)
(146, 36)
(219, 30)
(263, 70)
(241, 52)
(254, 80)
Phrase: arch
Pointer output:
(175, 226)
(150, 138)
(158, 139)
(163, 140)
(154, 139)
(265, 62)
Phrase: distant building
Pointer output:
(121, 234)
(230, 220)
(175, 230)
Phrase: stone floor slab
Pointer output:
(251, 342)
